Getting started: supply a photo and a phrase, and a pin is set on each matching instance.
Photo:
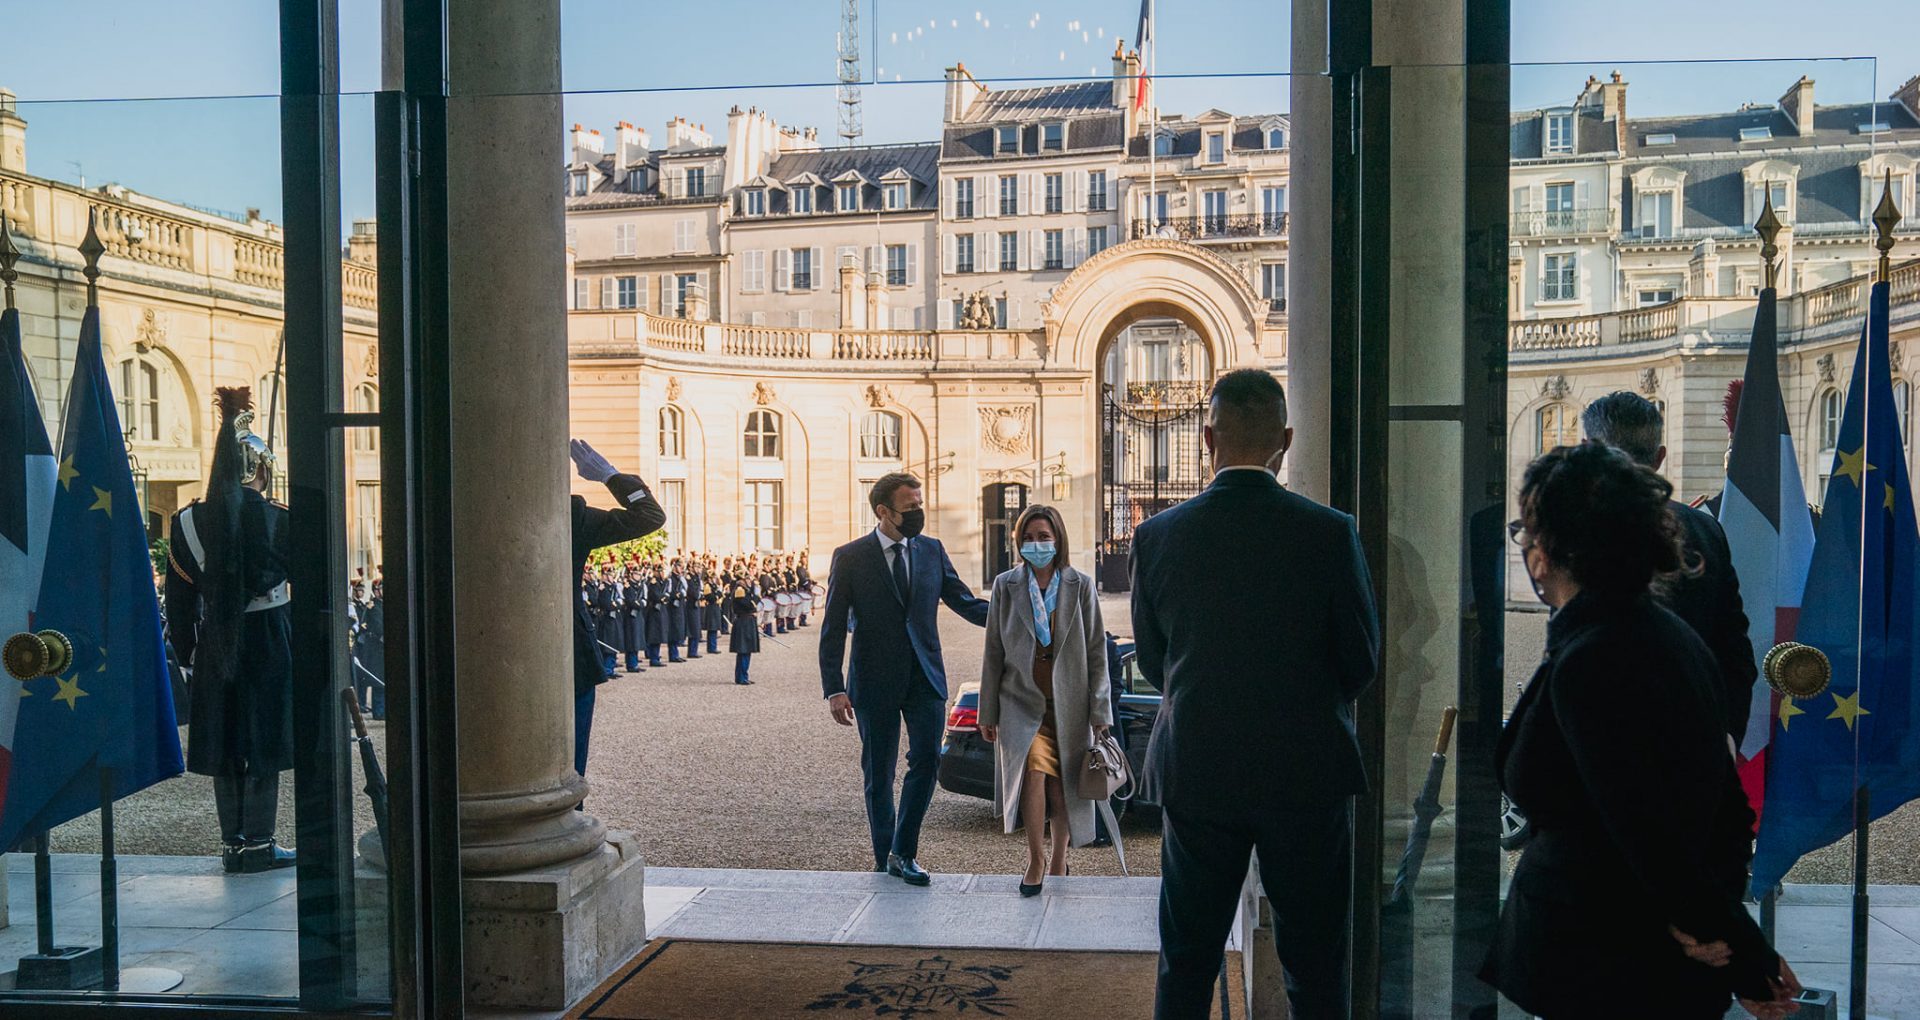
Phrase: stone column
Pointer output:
(552, 899)
(1310, 254)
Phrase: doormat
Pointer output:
(677, 979)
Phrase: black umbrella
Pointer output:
(1426, 808)
(369, 760)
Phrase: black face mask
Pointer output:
(912, 522)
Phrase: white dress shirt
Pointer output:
(887, 546)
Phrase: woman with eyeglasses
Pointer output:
(1044, 694)
(1628, 895)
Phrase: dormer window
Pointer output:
(1662, 138)
(1053, 137)
(847, 197)
(1276, 138)
(803, 199)
(1163, 144)
(1006, 139)
(1877, 127)
(1756, 134)
(577, 182)
(755, 203)
(1559, 133)
(1216, 147)
(896, 194)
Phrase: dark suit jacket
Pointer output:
(889, 634)
(593, 528)
(1253, 613)
(1616, 756)
(1710, 603)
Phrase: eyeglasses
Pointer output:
(1517, 534)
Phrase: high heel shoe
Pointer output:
(1030, 890)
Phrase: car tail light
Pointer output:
(963, 719)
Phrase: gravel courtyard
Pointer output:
(713, 775)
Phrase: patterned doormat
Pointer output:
(675, 979)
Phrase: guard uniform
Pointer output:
(656, 618)
(608, 603)
(228, 616)
(676, 616)
(745, 638)
(635, 611)
(696, 610)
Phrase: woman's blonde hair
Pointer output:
(1052, 517)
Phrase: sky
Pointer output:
(190, 114)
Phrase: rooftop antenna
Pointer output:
(850, 128)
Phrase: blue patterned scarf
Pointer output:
(1043, 606)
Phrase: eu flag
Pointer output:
(113, 707)
(1860, 610)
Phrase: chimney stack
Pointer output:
(1908, 95)
(1797, 104)
(1613, 107)
(588, 146)
(13, 135)
(962, 90)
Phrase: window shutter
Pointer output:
(817, 269)
(1037, 244)
(1109, 191)
(1076, 247)
(986, 254)
(950, 190)
(606, 292)
(986, 198)
(666, 293)
(782, 269)
(913, 264)
(1025, 198)
(875, 260)
(1522, 199)
(1583, 195)
(706, 284)
(1077, 191)
(1022, 257)
(945, 315)
(640, 288)
(948, 257)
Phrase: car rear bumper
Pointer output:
(967, 765)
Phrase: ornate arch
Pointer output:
(1154, 277)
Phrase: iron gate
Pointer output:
(1151, 457)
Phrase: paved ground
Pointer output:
(713, 775)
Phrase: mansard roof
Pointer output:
(919, 160)
(1047, 102)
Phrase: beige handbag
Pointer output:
(1106, 771)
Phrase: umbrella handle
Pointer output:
(1446, 730)
(353, 707)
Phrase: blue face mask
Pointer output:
(1037, 553)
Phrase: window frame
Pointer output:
(886, 439)
(1053, 249)
(963, 198)
(800, 274)
(1557, 122)
(965, 259)
(1009, 246)
(800, 200)
(1570, 269)
(840, 193)
(626, 292)
(671, 432)
(1054, 193)
(754, 203)
(1053, 136)
(1097, 190)
(1001, 136)
(1216, 147)
(757, 509)
(1565, 423)
(896, 276)
(1009, 194)
(760, 438)
(1097, 240)
(894, 195)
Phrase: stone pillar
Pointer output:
(876, 299)
(13, 135)
(849, 291)
(551, 901)
(1310, 254)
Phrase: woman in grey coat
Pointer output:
(1044, 694)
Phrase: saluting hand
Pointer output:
(588, 462)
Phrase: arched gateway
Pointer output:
(1154, 321)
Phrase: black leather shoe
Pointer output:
(908, 871)
(230, 857)
(1031, 890)
(265, 855)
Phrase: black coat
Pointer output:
(1710, 603)
(594, 528)
(1617, 757)
(676, 609)
(634, 617)
(373, 637)
(657, 612)
(609, 601)
(244, 724)
(742, 607)
(1253, 611)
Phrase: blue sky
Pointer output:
(110, 98)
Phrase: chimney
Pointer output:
(1613, 107)
(1797, 104)
(588, 147)
(962, 89)
(13, 135)
(1908, 95)
(363, 245)
(630, 147)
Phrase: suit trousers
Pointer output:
(1306, 870)
(582, 727)
(248, 806)
(923, 711)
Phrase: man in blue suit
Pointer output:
(1253, 611)
(885, 590)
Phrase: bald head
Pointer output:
(1247, 419)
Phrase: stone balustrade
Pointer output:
(258, 263)
(883, 345)
(139, 235)
(359, 286)
(762, 342)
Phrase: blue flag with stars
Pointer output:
(113, 707)
(1859, 609)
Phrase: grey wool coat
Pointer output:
(1011, 700)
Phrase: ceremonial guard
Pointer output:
(676, 612)
(696, 606)
(609, 601)
(806, 589)
(635, 612)
(228, 618)
(656, 614)
(639, 514)
(713, 597)
(768, 606)
(372, 652)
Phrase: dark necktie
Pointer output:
(900, 570)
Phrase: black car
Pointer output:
(966, 758)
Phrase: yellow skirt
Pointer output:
(1042, 755)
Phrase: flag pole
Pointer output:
(1768, 227)
(109, 890)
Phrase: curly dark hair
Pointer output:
(1605, 518)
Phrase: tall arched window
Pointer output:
(1902, 403)
(1555, 425)
(672, 432)
(880, 436)
(1830, 408)
(140, 399)
(366, 400)
(763, 434)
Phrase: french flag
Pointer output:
(27, 473)
(1769, 529)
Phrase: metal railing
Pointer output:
(1561, 222)
(1208, 228)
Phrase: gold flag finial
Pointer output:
(91, 249)
(1886, 216)
(1768, 227)
(8, 256)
